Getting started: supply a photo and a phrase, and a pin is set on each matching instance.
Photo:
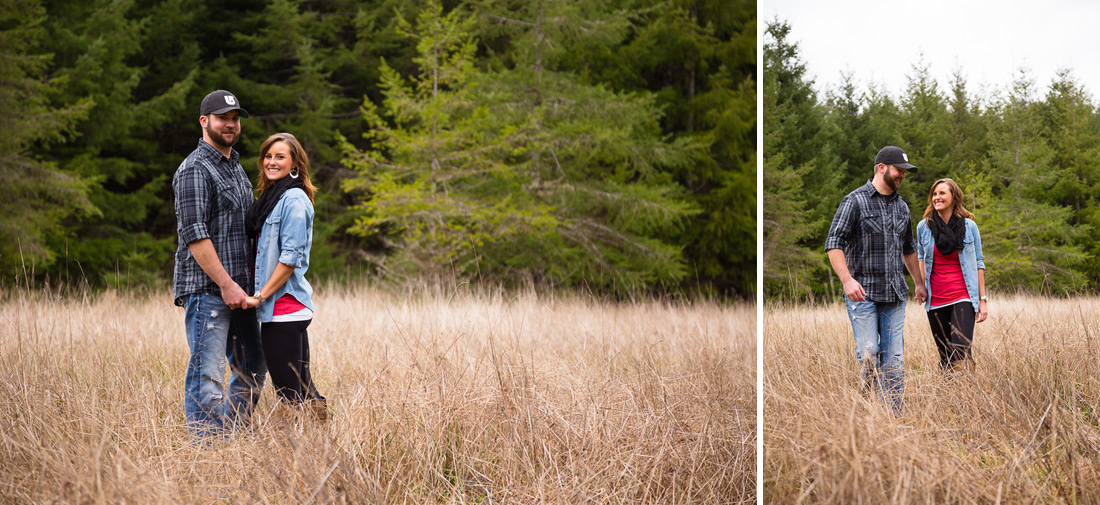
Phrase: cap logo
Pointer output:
(902, 154)
(229, 99)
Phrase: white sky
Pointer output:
(880, 41)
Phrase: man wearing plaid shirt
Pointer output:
(212, 268)
(869, 242)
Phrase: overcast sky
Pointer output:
(879, 41)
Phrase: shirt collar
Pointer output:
(209, 152)
(870, 189)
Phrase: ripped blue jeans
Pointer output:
(880, 347)
(215, 335)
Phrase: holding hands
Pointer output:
(254, 300)
(920, 293)
(233, 296)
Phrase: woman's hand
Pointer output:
(982, 311)
(250, 302)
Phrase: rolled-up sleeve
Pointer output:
(920, 238)
(295, 232)
(192, 204)
(842, 225)
(978, 246)
(908, 244)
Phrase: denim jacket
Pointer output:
(285, 238)
(970, 257)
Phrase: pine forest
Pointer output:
(605, 146)
(1023, 152)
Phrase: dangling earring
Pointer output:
(294, 173)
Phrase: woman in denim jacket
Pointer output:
(950, 252)
(281, 221)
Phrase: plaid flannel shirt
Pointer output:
(874, 231)
(212, 196)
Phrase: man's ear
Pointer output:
(203, 120)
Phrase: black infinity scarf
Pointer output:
(258, 212)
(949, 236)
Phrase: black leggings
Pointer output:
(952, 329)
(286, 349)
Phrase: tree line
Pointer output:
(608, 146)
(1024, 155)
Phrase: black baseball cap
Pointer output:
(220, 102)
(888, 155)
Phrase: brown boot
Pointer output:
(319, 408)
(962, 367)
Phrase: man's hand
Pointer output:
(920, 294)
(916, 271)
(854, 290)
(207, 258)
(233, 296)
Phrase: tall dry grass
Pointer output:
(1022, 429)
(435, 399)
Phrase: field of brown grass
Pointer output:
(1022, 429)
(435, 398)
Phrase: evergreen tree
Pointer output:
(95, 45)
(1027, 239)
(1073, 133)
(924, 121)
(964, 130)
(517, 174)
(847, 133)
(41, 193)
(698, 58)
(721, 113)
(792, 126)
(788, 268)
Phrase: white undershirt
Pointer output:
(300, 315)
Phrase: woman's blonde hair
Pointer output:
(298, 157)
(956, 200)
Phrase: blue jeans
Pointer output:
(880, 346)
(216, 334)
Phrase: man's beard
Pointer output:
(217, 139)
(890, 179)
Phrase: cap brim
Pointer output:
(906, 166)
(244, 113)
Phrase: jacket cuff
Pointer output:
(291, 257)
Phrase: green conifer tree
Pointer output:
(1073, 132)
(1029, 240)
(924, 122)
(97, 45)
(41, 194)
(517, 174)
(793, 134)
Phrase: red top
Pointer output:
(287, 304)
(947, 283)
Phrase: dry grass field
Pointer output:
(435, 398)
(1022, 429)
